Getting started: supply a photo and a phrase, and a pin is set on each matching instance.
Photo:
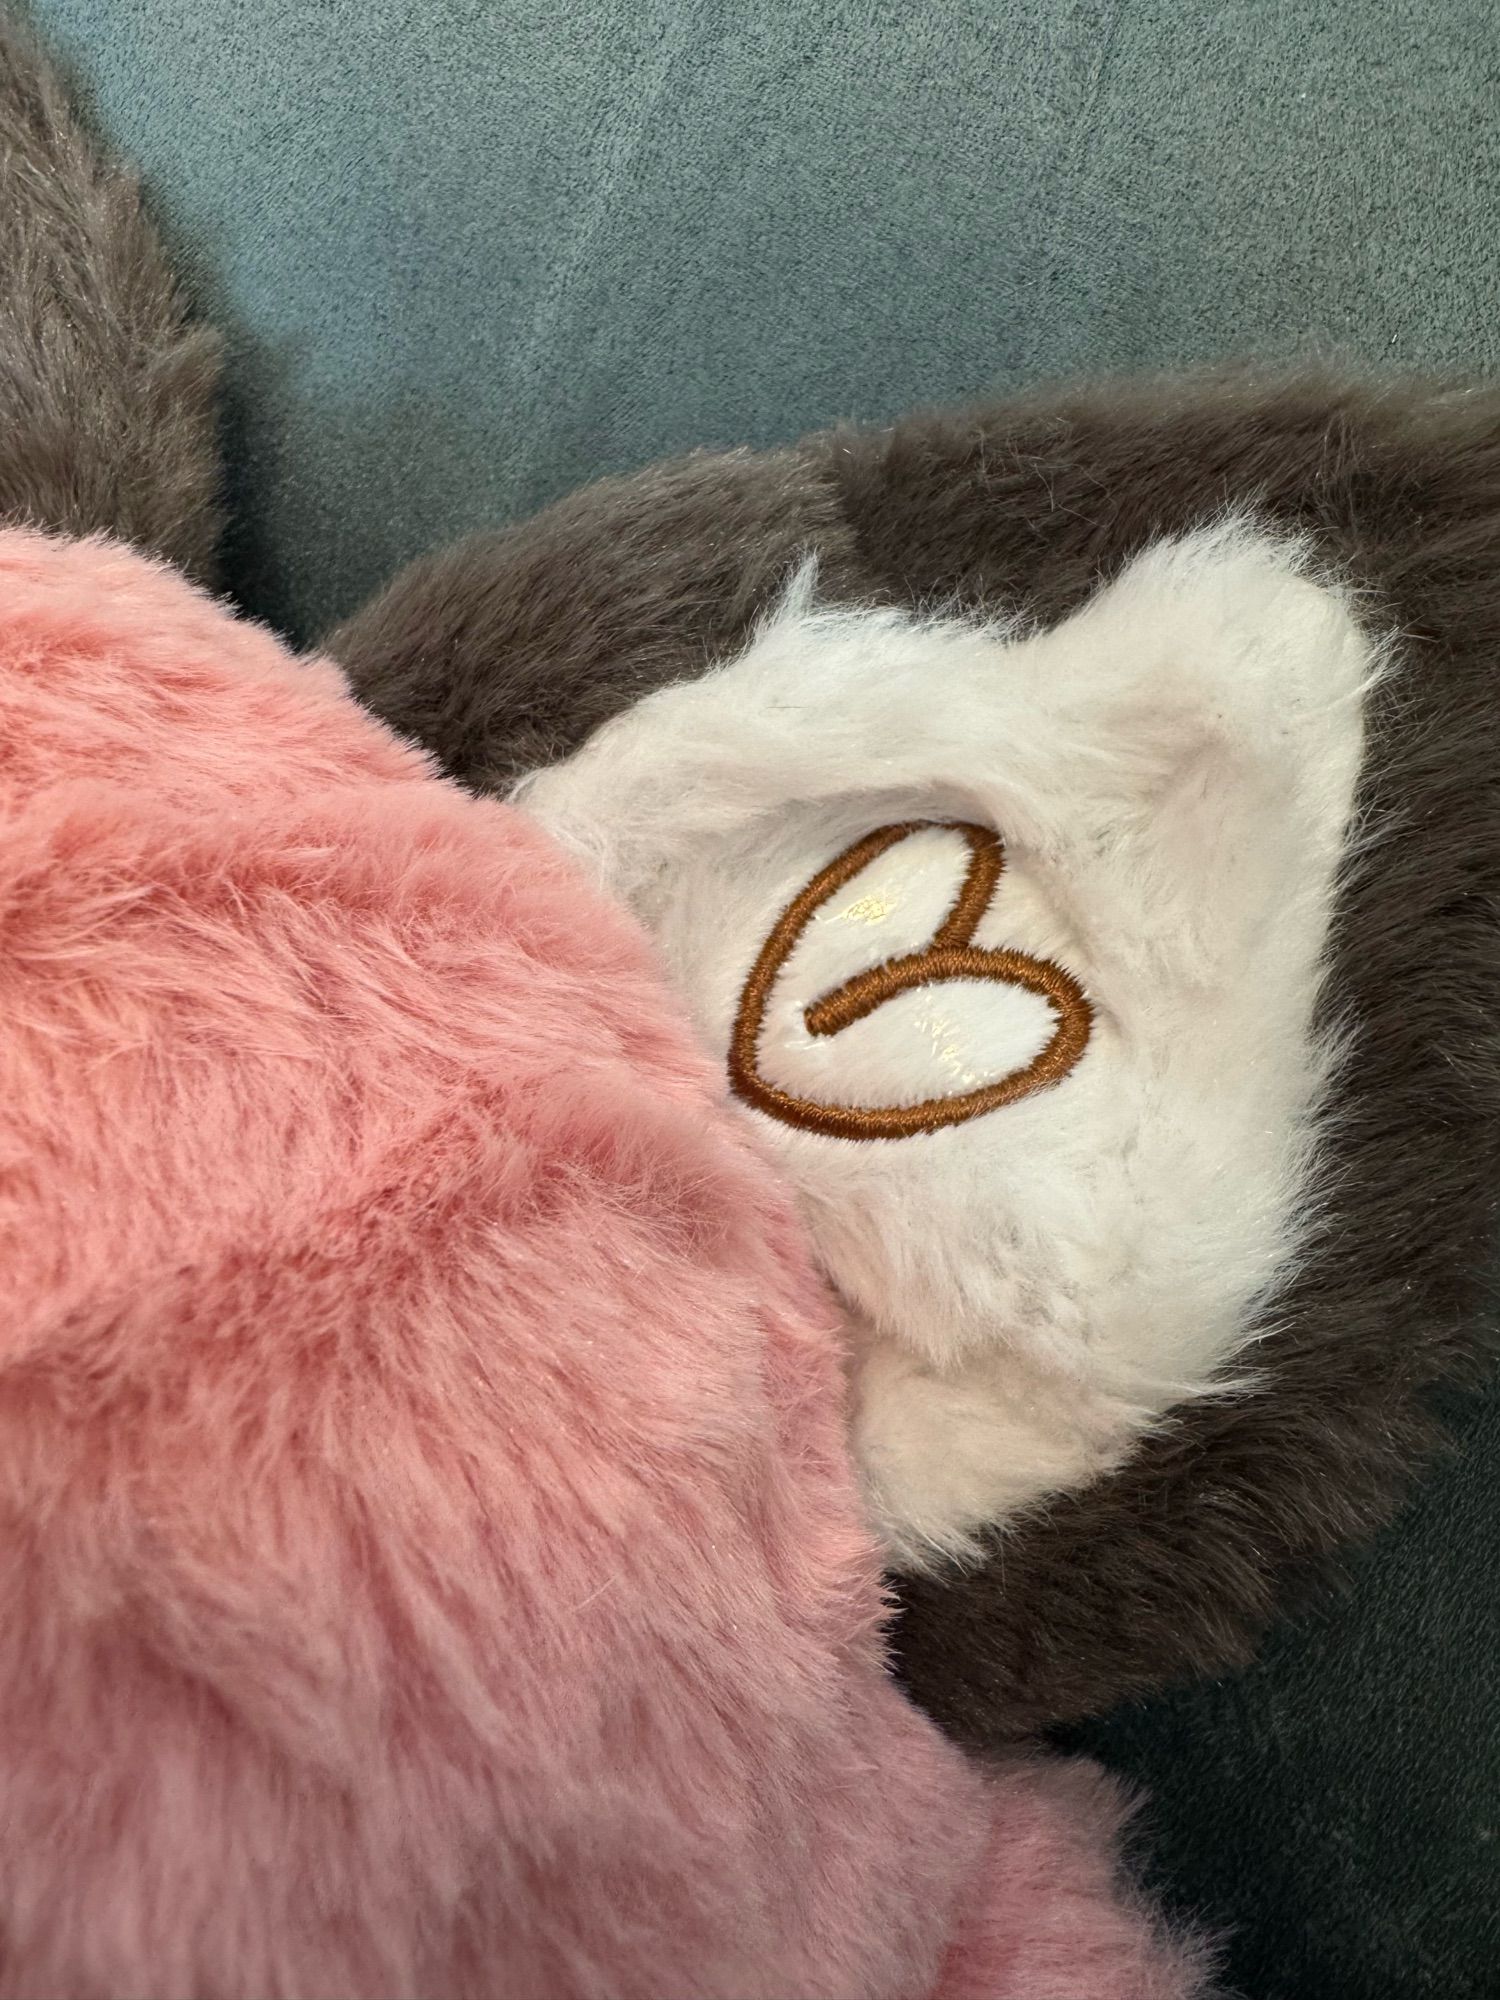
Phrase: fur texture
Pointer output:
(505, 653)
(429, 1558)
(1174, 1563)
(108, 391)
(1172, 771)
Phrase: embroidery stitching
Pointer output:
(952, 954)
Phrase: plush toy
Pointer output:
(430, 1560)
(433, 1562)
(108, 388)
(1073, 826)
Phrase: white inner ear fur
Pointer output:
(1172, 772)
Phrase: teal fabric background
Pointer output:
(471, 255)
(478, 251)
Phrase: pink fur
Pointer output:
(428, 1560)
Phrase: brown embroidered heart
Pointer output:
(951, 955)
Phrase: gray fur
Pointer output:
(108, 390)
(511, 649)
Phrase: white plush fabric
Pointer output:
(1172, 772)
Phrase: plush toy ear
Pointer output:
(108, 391)
(1012, 947)
(509, 653)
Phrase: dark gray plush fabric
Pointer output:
(506, 651)
(108, 390)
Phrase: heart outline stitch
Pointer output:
(952, 954)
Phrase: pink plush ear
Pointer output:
(428, 1558)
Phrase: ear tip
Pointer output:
(799, 597)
